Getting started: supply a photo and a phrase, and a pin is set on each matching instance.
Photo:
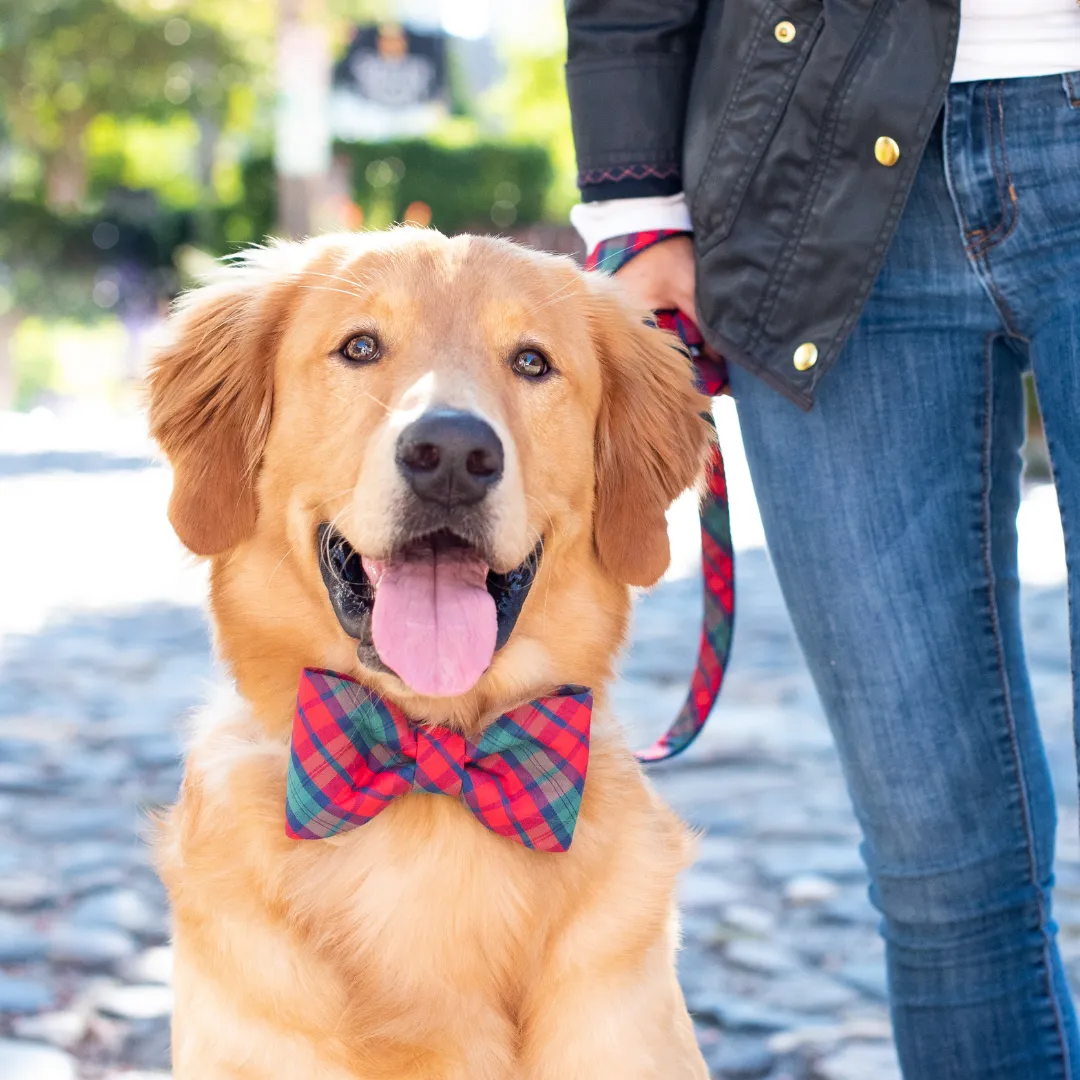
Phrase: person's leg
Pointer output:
(890, 514)
(1056, 362)
(1036, 271)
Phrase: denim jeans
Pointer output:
(890, 513)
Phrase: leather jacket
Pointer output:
(795, 128)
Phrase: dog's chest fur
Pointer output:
(415, 929)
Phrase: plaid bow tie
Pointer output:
(354, 753)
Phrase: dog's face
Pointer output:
(430, 432)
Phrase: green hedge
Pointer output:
(482, 186)
(50, 263)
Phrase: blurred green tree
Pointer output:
(530, 105)
(65, 62)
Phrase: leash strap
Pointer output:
(717, 554)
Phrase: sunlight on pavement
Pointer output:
(82, 506)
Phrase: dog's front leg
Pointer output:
(612, 1017)
(234, 1017)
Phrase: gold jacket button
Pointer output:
(805, 356)
(887, 151)
(785, 32)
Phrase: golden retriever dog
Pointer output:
(443, 416)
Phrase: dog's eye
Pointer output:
(531, 364)
(361, 349)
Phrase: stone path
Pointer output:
(103, 649)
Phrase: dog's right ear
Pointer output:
(211, 393)
(652, 442)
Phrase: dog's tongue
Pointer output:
(434, 622)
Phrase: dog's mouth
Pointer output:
(434, 613)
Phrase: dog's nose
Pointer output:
(450, 457)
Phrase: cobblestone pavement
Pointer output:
(104, 647)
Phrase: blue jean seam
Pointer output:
(1072, 89)
(1066, 521)
(1010, 718)
(981, 241)
(980, 263)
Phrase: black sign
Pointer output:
(394, 67)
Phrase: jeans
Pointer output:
(890, 513)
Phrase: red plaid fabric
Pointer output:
(717, 554)
(354, 753)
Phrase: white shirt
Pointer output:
(999, 39)
(1014, 39)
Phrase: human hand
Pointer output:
(662, 276)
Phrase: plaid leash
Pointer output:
(717, 555)
(353, 754)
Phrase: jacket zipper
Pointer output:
(818, 161)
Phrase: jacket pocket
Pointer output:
(780, 43)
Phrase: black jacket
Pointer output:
(774, 116)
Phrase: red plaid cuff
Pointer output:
(613, 254)
(610, 256)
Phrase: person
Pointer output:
(872, 210)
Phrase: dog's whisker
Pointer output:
(338, 494)
(621, 251)
(327, 288)
(360, 286)
(382, 405)
(557, 294)
(553, 297)
(350, 277)
(277, 565)
(545, 512)
(363, 283)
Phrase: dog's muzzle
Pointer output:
(432, 609)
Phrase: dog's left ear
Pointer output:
(651, 438)
(211, 390)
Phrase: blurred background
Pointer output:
(139, 141)
(141, 138)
